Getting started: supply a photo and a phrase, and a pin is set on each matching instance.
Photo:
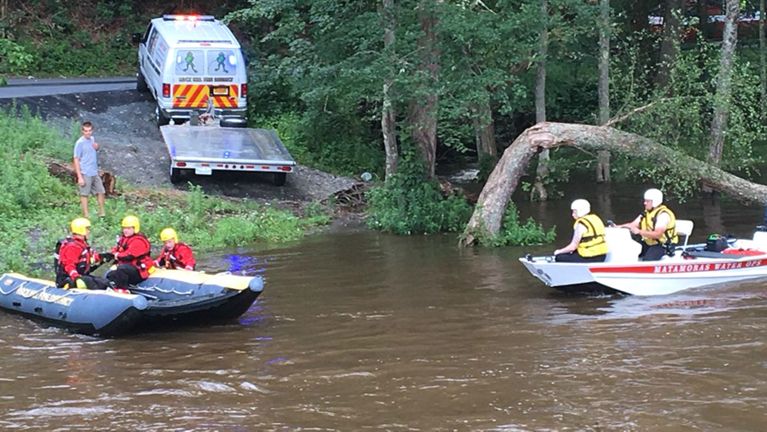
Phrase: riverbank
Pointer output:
(222, 211)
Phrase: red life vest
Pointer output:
(73, 259)
(180, 257)
(135, 250)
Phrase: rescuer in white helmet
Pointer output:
(656, 225)
(588, 243)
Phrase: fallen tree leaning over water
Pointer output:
(491, 205)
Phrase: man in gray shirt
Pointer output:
(86, 161)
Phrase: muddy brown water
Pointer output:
(366, 331)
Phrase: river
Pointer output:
(367, 331)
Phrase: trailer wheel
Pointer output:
(176, 175)
(160, 117)
(279, 178)
(141, 83)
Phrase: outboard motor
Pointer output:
(716, 243)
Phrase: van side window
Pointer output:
(146, 34)
(222, 62)
(152, 42)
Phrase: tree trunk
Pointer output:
(66, 172)
(603, 157)
(423, 112)
(484, 130)
(494, 198)
(3, 14)
(388, 115)
(724, 83)
(669, 47)
(539, 188)
(762, 61)
(704, 26)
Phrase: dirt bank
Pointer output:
(132, 148)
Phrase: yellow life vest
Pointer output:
(647, 223)
(593, 241)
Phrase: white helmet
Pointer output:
(581, 207)
(655, 196)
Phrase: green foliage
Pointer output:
(515, 233)
(14, 58)
(680, 116)
(79, 55)
(561, 163)
(86, 37)
(407, 204)
(316, 214)
(287, 126)
(317, 62)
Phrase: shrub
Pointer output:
(407, 203)
(515, 233)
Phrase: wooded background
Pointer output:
(356, 86)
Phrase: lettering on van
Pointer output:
(196, 79)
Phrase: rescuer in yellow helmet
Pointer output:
(74, 259)
(174, 255)
(132, 254)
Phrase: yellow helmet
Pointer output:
(131, 222)
(80, 226)
(168, 234)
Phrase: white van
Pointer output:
(192, 63)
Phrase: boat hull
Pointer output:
(663, 277)
(167, 296)
(101, 313)
(189, 297)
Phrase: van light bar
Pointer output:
(188, 18)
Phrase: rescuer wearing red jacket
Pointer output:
(132, 255)
(74, 259)
(174, 255)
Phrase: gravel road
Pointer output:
(132, 149)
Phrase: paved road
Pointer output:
(22, 87)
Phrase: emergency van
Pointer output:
(192, 63)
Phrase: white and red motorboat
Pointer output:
(690, 266)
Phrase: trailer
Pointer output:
(201, 150)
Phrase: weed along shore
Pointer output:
(38, 206)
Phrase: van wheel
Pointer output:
(141, 83)
(279, 178)
(160, 117)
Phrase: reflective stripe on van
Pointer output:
(196, 95)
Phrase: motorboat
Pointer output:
(688, 266)
(167, 296)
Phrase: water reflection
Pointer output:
(712, 214)
(679, 306)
